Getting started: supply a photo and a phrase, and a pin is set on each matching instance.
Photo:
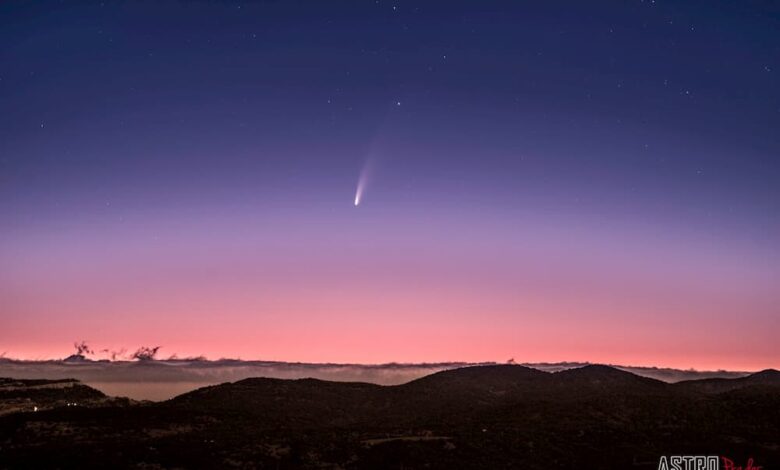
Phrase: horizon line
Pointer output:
(204, 359)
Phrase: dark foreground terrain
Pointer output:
(477, 417)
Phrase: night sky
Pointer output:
(587, 180)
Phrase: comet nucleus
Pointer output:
(362, 182)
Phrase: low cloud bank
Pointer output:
(150, 379)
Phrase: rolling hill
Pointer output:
(488, 417)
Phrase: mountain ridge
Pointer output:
(500, 416)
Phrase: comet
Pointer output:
(357, 195)
(360, 188)
(362, 181)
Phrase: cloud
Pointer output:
(147, 378)
(82, 348)
(145, 353)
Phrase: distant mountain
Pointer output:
(76, 359)
(483, 417)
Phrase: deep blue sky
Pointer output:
(668, 102)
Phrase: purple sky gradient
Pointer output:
(547, 183)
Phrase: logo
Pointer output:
(704, 462)
(729, 464)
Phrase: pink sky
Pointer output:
(374, 291)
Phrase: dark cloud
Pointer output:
(145, 353)
(82, 348)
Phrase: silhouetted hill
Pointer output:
(473, 386)
(493, 378)
(597, 379)
(764, 378)
(303, 401)
(36, 395)
(484, 417)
